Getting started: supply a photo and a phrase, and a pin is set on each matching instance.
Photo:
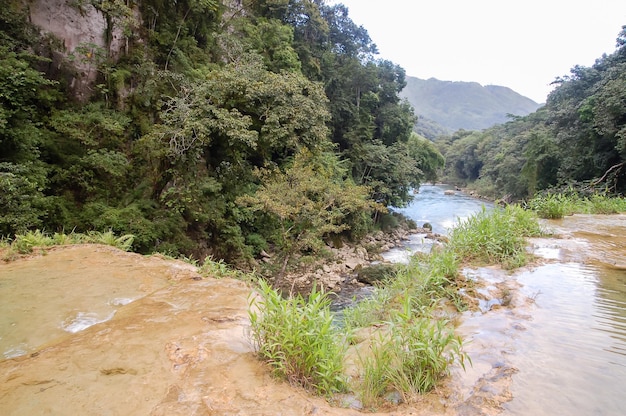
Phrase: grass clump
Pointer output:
(426, 279)
(297, 338)
(495, 237)
(414, 343)
(217, 269)
(414, 349)
(124, 242)
(559, 205)
(410, 357)
(27, 242)
(551, 206)
(602, 204)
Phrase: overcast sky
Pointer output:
(520, 44)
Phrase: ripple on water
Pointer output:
(62, 293)
(84, 320)
(571, 358)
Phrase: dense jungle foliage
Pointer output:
(575, 143)
(223, 128)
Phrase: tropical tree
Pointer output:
(316, 202)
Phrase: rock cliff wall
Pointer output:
(81, 30)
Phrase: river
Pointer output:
(560, 345)
(93, 330)
(442, 211)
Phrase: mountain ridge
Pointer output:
(452, 105)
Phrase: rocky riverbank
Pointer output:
(341, 268)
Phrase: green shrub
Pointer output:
(388, 222)
(257, 242)
(130, 220)
(296, 337)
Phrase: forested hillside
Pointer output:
(202, 127)
(576, 142)
(462, 105)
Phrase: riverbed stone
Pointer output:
(376, 273)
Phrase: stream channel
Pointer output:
(91, 330)
(559, 345)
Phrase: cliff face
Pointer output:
(86, 37)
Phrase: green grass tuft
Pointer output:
(297, 338)
(26, 243)
(559, 205)
(495, 237)
(410, 357)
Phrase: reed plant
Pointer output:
(415, 346)
(551, 206)
(410, 357)
(369, 311)
(375, 383)
(559, 205)
(601, 204)
(495, 237)
(413, 350)
(427, 278)
(297, 338)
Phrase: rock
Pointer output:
(353, 264)
(361, 253)
(375, 273)
(448, 192)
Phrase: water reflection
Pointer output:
(610, 306)
(571, 358)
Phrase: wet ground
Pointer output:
(93, 330)
(553, 334)
(181, 347)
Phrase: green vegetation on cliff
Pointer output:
(577, 141)
(202, 127)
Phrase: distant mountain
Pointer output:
(447, 106)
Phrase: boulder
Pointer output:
(376, 273)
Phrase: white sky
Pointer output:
(522, 44)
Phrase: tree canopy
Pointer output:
(577, 141)
(220, 127)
